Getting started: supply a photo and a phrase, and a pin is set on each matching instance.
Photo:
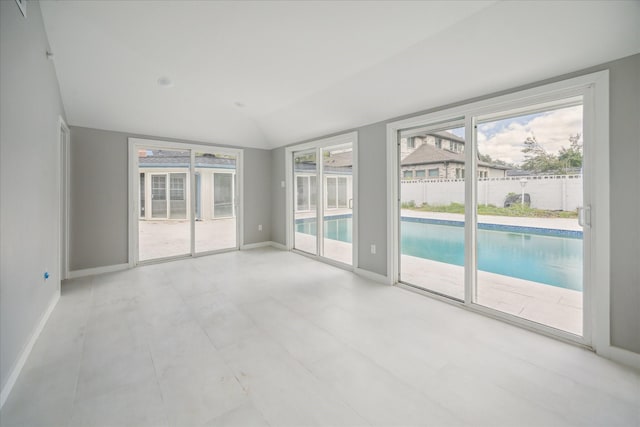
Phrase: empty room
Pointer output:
(319, 213)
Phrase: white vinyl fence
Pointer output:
(553, 192)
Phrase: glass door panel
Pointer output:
(215, 196)
(178, 196)
(432, 208)
(158, 196)
(222, 195)
(305, 178)
(529, 242)
(337, 168)
(164, 230)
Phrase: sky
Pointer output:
(504, 139)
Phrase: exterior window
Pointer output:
(332, 201)
(142, 195)
(407, 174)
(158, 187)
(342, 192)
(411, 142)
(421, 173)
(177, 186)
(438, 143)
(434, 173)
(459, 173)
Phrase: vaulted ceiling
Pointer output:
(264, 74)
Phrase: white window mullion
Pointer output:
(470, 212)
(192, 201)
(319, 200)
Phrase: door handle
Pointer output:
(584, 216)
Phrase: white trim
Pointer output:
(278, 245)
(267, 243)
(317, 145)
(134, 200)
(26, 351)
(250, 246)
(134, 209)
(594, 90)
(379, 278)
(64, 151)
(97, 270)
(621, 355)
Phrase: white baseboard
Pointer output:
(262, 245)
(17, 368)
(622, 356)
(255, 245)
(371, 275)
(97, 270)
(278, 245)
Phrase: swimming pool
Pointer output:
(552, 257)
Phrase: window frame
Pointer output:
(594, 90)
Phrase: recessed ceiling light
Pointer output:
(165, 81)
(239, 104)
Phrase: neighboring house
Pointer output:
(439, 155)
(338, 185)
(165, 176)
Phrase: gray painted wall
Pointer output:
(30, 107)
(99, 197)
(278, 197)
(625, 198)
(257, 195)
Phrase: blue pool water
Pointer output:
(551, 257)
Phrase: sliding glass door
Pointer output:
(187, 199)
(529, 238)
(491, 211)
(432, 175)
(164, 229)
(322, 198)
(305, 214)
(216, 194)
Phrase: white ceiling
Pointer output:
(306, 69)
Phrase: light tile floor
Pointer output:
(267, 337)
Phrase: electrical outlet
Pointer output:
(373, 249)
(259, 227)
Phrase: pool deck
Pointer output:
(550, 305)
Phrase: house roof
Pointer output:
(428, 154)
(167, 158)
(448, 136)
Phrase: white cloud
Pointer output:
(551, 129)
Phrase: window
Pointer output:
(438, 143)
(487, 247)
(434, 173)
(421, 173)
(342, 192)
(158, 187)
(459, 173)
(332, 200)
(407, 174)
(177, 186)
(411, 142)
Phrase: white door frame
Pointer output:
(64, 141)
(134, 188)
(594, 89)
(318, 145)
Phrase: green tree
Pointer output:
(571, 157)
(537, 159)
